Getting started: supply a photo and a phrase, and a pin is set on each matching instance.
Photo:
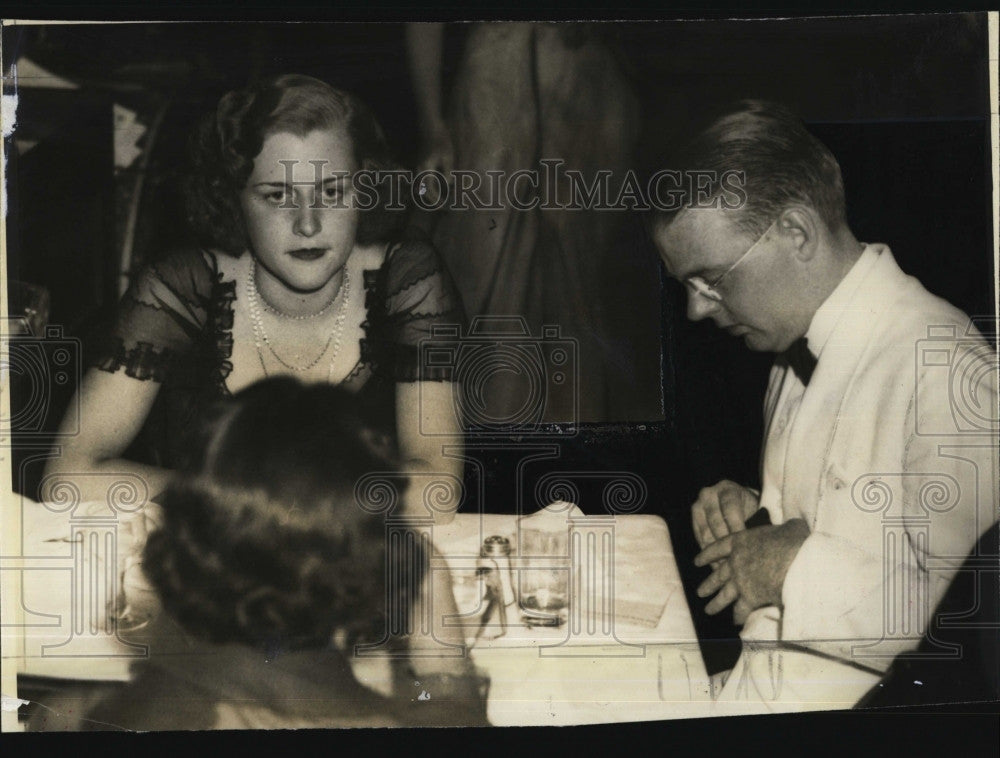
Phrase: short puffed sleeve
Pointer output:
(164, 319)
(415, 296)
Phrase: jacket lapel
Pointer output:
(815, 424)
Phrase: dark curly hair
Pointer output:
(226, 142)
(262, 541)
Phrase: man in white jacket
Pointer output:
(879, 469)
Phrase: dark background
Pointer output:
(901, 101)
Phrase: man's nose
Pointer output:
(307, 223)
(699, 307)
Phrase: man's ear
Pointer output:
(798, 225)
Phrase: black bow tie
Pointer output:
(802, 361)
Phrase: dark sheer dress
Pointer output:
(174, 326)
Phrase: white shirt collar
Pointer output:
(826, 317)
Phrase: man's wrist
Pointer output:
(796, 532)
(760, 517)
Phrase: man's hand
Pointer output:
(721, 510)
(751, 568)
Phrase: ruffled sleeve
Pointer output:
(413, 295)
(162, 319)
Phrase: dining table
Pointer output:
(624, 650)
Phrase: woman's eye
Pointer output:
(276, 198)
(331, 193)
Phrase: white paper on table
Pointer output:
(640, 593)
(553, 517)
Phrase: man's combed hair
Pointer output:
(226, 142)
(780, 164)
(263, 542)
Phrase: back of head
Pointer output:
(262, 541)
(762, 155)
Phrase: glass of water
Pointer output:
(543, 576)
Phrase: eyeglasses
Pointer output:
(708, 290)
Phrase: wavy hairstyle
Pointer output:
(224, 145)
(262, 542)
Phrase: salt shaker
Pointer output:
(495, 558)
(494, 568)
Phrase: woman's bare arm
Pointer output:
(112, 409)
(431, 447)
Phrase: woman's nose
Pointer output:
(307, 222)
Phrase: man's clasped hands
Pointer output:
(749, 564)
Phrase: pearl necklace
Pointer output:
(260, 335)
(305, 317)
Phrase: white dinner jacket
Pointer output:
(892, 461)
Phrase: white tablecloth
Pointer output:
(644, 664)
(628, 670)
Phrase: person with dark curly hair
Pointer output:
(270, 574)
(301, 271)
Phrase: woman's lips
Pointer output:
(308, 253)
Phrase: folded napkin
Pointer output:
(641, 589)
(553, 517)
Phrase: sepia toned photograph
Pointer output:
(498, 373)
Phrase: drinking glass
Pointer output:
(543, 575)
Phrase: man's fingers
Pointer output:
(715, 520)
(721, 510)
(731, 505)
(714, 552)
(726, 596)
(707, 508)
(718, 578)
(741, 611)
(700, 526)
(706, 538)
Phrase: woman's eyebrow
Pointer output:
(329, 180)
